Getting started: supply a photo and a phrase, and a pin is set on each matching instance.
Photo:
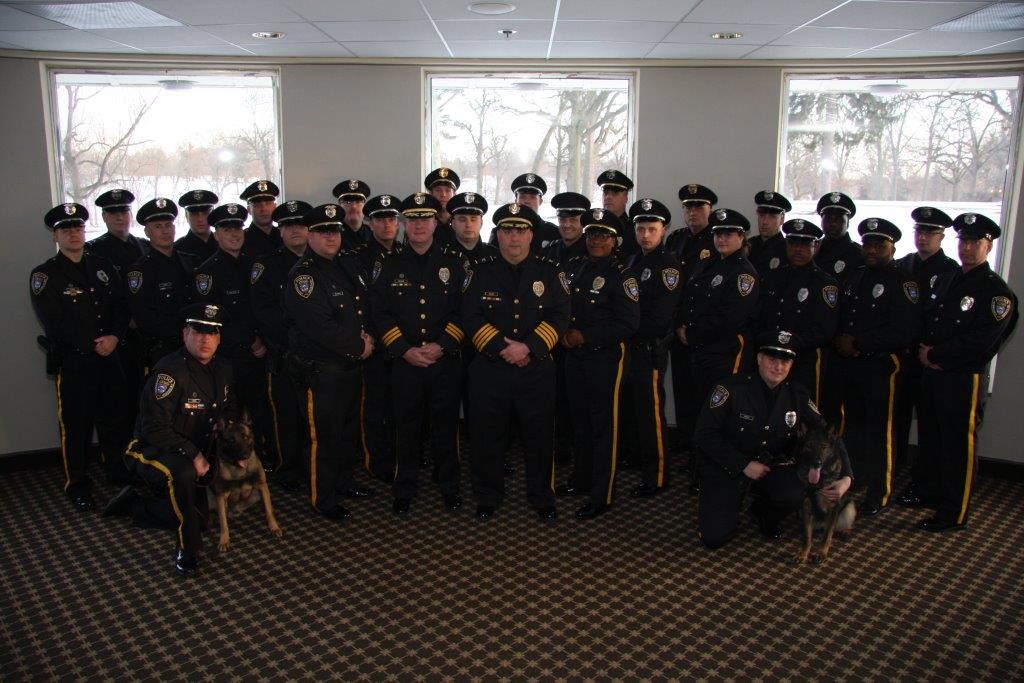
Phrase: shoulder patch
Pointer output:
(304, 286)
(670, 278)
(911, 291)
(163, 386)
(745, 283)
(38, 282)
(204, 283)
(632, 289)
(719, 396)
(812, 407)
(830, 293)
(1001, 307)
(378, 266)
(134, 280)
(257, 271)
(564, 279)
(466, 280)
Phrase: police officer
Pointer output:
(267, 280)
(160, 284)
(615, 187)
(414, 303)
(185, 396)
(117, 244)
(78, 299)
(326, 314)
(837, 255)
(529, 190)
(352, 195)
(767, 249)
(658, 273)
(747, 428)
(261, 237)
(879, 315)
(467, 211)
(804, 299)
(969, 315)
(569, 206)
(198, 241)
(443, 183)
(515, 307)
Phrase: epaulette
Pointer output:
(549, 261)
(483, 259)
(579, 257)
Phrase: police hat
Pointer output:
(161, 209)
(974, 226)
(727, 219)
(598, 219)
(442, 176)
(472, 203)
(778, 343)
(382, 205)
(614, 180)
(420, 205)
(837, 201)
(228, 216)
(293, 211)
(325, 218)
(771, 202)
(880, 228)
(697, 194)
(117, 199)
(647, 209)
(530, 183)
(351, 190)
(569, 203)
(516, 215)
(930, 219)
(800, 229)
(259, 191)
(66, 216)
(206, 318)
(198, 199)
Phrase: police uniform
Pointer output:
(191, 243)
(326, 312)
(76, 303)
(744, 420)
(617, 180)
(659, 276)
(257, 241)
(347, 191)
(967, 318)
(443, 235)
(414, 301)
(267, 280)
(767, 254)
(880, 310)
(181, 402)
(689, 247)
(527, 302)
(803, 300)
(547, 232)
(838, 256)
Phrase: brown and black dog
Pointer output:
(819, 463)
(239, 479)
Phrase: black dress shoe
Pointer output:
(645, 491)
(290, 486)
(485, 511)
(121, 504)
(911, 499)
(569, 490)
(453, 502)
(547, 514)
(400, 506)
(356, 492)
(768, 527)
(84, 502)
(185, 563)
(939, 524)
(590, 511)
(339, 513)
(870, 508)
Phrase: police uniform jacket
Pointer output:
(967, 317)
(415, 299)
(352, 239)
(561, 254)
(767, 255)
(77, 302)
(121, 253)
(478, 252)
(158, 288)
(802, 300)
(605, 302)
(745, 420)
(224, 280)
(543, 237)
(659, 274)
(325, 308)
(629, 244)
(719, 300)
(839, 257)
(267, 279)
(691, 249)
(528, 303)
(369, 253)
(926, 272)
(880, 308)
(258, 243)
(191, 244)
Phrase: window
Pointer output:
(162, 133)
(567, 128)
(894, 144)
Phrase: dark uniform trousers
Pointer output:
(721, 496)
(808, 370)
(563, 410)
(331, 398)
(289, 426)
(181, 503)
(646, 379)
(377, 417)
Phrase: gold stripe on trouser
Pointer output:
(972, 424)
(362, 424)
(312, 447)
(817, 377)
(842, 419)
(273, 418)
(739, 355)
(615, 422)
(552, 482)
(170, 486)
(63, 433)
(657, 428)
(889, 426)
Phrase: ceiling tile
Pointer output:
(1010, 46)
(600, 50)
(196, 12)
(621, 31)
(345, 31)
(753, 34)
(15, 20)
(222, 50)
(694, 51)
(816, 36)
(488, 30)
(785, 12)
(293, 33)
(275, 49)
(159, 36)
(887, 53)
(651, 10)
(500, 49)
(965, 42)
(525, 9)
(798, 52)
(69, 39)
(352, 10)
(910, 15)
(405, 48)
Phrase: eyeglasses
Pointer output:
(513, 229)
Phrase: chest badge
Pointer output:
(163, 386)
(801, 294)
(597, 284)
(257, 271)
(839, 267)
(444, 275)
(102, 276)
(134, 281)
(646, 275)
(704, 253)
(203, 283)
(1001, 306)
(538, 288)
(716, 280)
(878, 290)
(38, 282)
(791, 418)
(745, 284)
(774, 263)
(670, 276)
(304, 286)
(966, 303)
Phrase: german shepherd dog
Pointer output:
(238, 479)
(819, 463)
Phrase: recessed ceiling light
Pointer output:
(726, 35)
(491, 8)
(268, 35)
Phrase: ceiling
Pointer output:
(545, 29)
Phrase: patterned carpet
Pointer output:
(629, 595)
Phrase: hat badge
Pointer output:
(872, 224)
(197, 195)
(926, 212)
(610, 175)
(210, 312)
(970, 219)
(353, 184)
(513, 209)
(443, 172)
(798, 224)
(768, 196)
(835, 196)
(70, 209)
(530, 178)
(161, 203)
(330, 211)
(262, 186)
(646, 204)
(419, 198)
(292, 206)
(385, 200)
(470, 198)
(115, 195)
(785, 337)
(721, 214)
(232, 209)
(598, 214)
(691, 189)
